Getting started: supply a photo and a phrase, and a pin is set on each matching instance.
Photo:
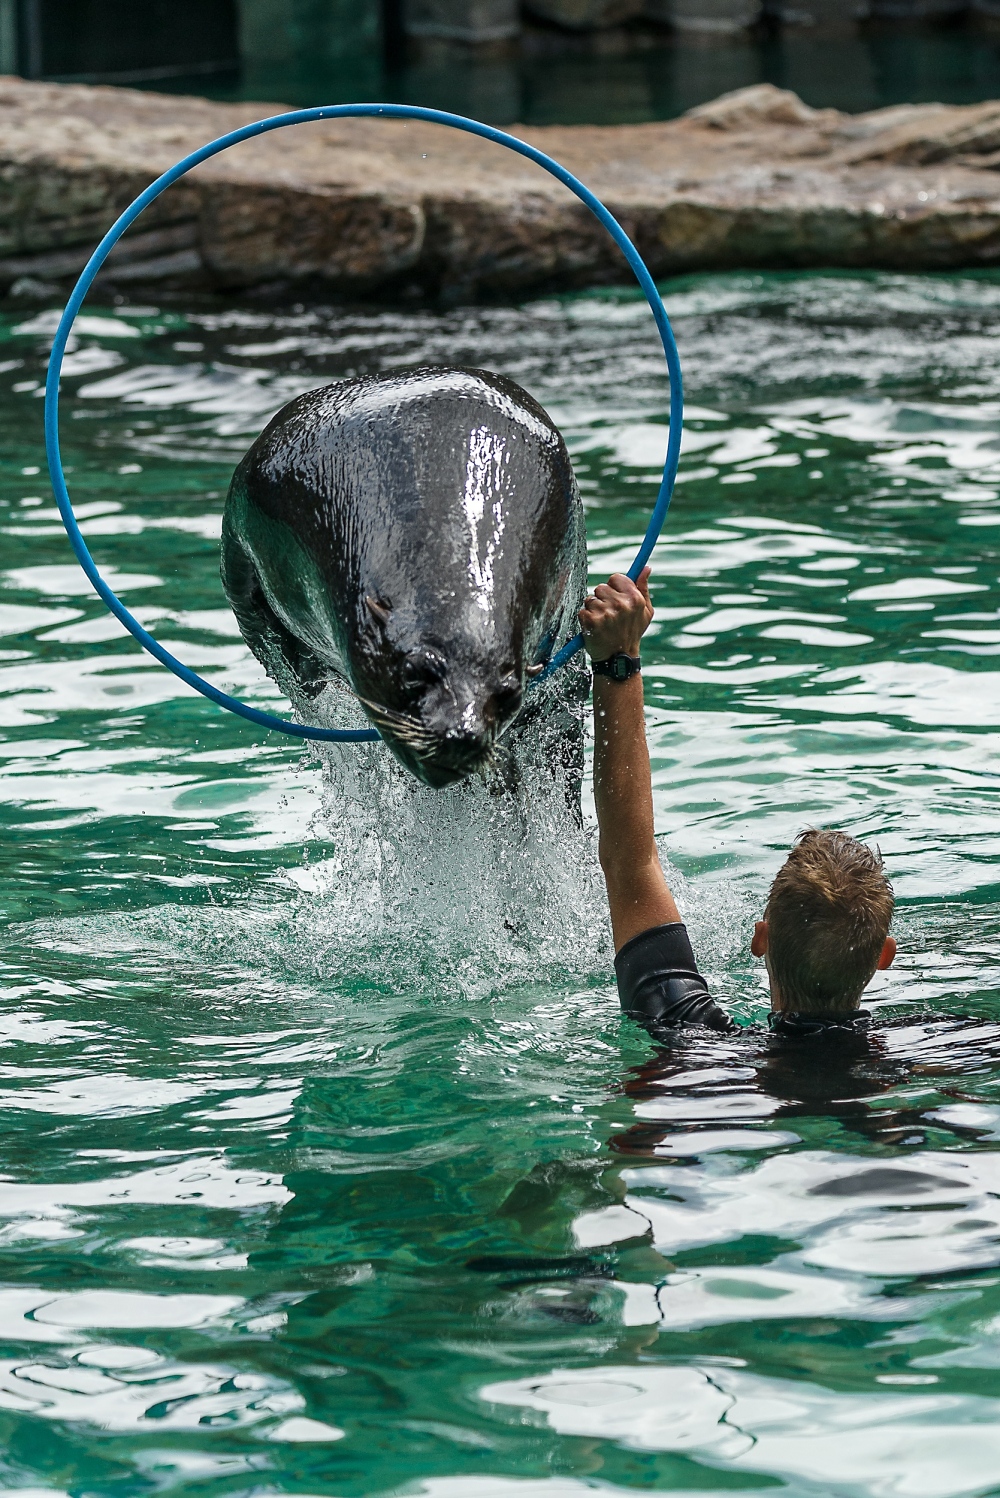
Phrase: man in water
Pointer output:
(825, 931)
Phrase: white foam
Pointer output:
(489, 876)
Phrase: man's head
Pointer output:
(825, 930)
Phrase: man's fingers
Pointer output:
(617, 612)
(618, 589)
(619, 595)
(623, 591)
(590, 616)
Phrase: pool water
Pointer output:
(315, 1178)
(553, 82)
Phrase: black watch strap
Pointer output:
(620, 667)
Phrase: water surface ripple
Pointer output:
(318, 1178)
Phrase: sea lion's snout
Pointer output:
(465, 726)
(448, 724)
(459, 753)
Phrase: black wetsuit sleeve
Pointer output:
(659, 983)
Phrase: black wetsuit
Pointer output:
(661, 988)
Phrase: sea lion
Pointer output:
(418, 534)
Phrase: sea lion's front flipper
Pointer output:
(284, 657)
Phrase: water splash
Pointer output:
(497, 874)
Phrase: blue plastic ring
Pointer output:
(249, 132)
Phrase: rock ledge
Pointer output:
(756, 179)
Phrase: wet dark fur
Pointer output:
(420, 535)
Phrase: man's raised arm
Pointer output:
(613, 620)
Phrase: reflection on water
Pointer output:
(320, 1177)
(553, 83)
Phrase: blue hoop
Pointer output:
(248, 132)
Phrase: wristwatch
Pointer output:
(620, 667)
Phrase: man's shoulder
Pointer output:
(659, 984)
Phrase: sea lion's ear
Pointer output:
(535, 670)
(380, 611)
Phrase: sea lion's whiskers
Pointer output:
(424, 745)
(407, 729)
(487, 765)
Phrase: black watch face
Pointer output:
(621, 667)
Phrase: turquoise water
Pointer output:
(319, 1177)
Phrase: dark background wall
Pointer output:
(127, 39)
(537, 61)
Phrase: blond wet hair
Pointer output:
(828, 916)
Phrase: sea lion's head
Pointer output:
(420, 534)
(440, 697)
